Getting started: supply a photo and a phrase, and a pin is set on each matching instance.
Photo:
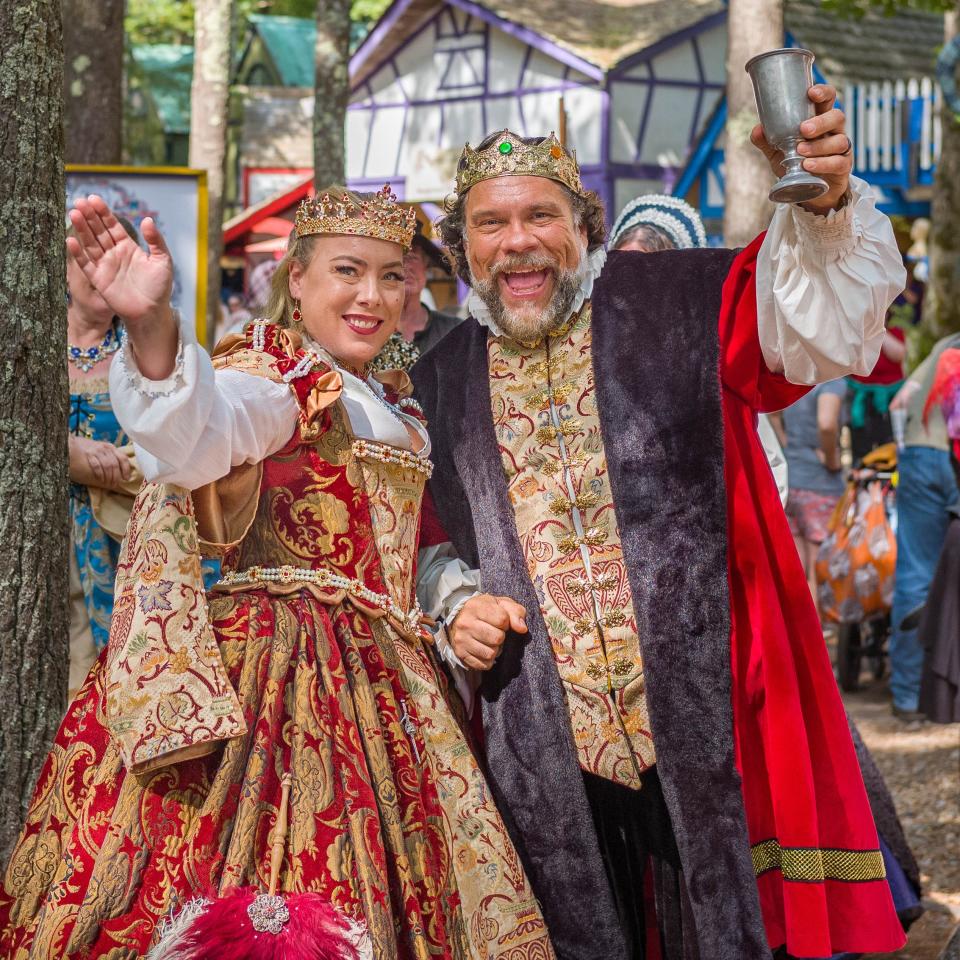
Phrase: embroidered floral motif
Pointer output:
(153, 596)
(552, 451)
(167, 694)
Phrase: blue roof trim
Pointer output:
(697, 162)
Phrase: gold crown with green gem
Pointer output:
(381, 217)
(509, 156)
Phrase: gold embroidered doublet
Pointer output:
(548, 431)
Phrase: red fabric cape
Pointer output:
(802, 786)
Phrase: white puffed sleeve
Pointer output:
(444, 582)
(191, 428)
(824, 284)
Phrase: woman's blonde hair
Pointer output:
(300, 250)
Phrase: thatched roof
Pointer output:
(873, 47)
(604, 32)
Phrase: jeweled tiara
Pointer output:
(381, 217)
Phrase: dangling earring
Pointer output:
(297, 315)
(69, 298)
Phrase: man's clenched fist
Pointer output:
(481, 626)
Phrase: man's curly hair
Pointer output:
(587, 211)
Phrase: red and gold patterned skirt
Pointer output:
(390, 817)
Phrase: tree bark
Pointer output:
(209, 101)
(93, 80)
(34, 646)
(332, 92)
(942, 302)
(753, 26)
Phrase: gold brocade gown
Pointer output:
(317, 627)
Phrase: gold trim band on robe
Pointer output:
(816, 864)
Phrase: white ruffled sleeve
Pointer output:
(824, 284)
(193, 427)
(444, 584)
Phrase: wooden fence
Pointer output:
(895, 127)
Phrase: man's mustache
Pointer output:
(515, 262)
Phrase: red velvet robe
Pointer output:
(801, 780)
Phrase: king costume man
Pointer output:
(596, 457)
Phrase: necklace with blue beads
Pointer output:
(85, 358)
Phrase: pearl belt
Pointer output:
(409, 619)
(365, 450)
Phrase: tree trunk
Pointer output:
(753, 26)
(942, 302)
(209, 101)
(332, 92)
(93, 80)
(34, 648)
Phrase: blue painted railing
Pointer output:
(895, 128)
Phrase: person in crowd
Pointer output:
(812, 427)
(100, 463)
(420, 324)
(927, 489)
(596, 454)
(237, 315)
(869, 397)
(656, 221)
(939, 622)
(310, 665)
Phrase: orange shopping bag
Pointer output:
(855, 564)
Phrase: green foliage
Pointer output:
(159, 21)
(278, 8)
(171, 21)
(368, 11)
(855, 9)
(919, 339)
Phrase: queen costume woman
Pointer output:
(290, 728)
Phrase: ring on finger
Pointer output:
(846, 153)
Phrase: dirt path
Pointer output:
(921, 764)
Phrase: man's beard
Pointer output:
(531, 323)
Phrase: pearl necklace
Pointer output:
(85, 358)
(375, 390)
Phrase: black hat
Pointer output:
(430, 250)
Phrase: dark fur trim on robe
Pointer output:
(655, 355)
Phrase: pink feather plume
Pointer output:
(224, 931)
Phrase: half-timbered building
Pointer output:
(630, 85)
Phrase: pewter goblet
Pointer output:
(781, 80)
